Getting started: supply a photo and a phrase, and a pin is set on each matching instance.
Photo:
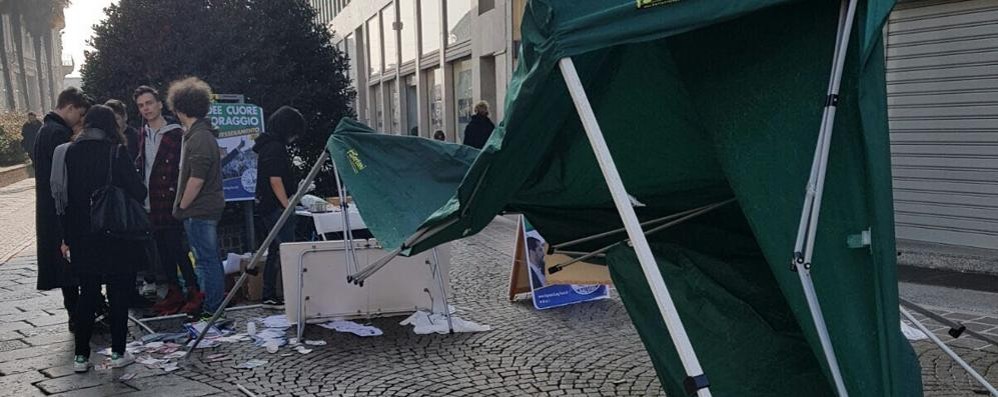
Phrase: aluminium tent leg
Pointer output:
(439, 276)
(696, 381)
(955, 329)
(804, 245)
(292, 202)
(935, 339)
(347, 232)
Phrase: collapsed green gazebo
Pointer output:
(620, 114)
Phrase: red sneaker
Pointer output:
(170, 304)
(194, 301)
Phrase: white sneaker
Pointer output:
(81, 364)
(123, 360)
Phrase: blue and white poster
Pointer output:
(546, 296)
(238, 126)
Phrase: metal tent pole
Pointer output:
(347, 232)
(443, 290)
(935, 339)
(292, 202)
(696, 381)
(955, 329)
(804, 245)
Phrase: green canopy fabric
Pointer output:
(699, 101)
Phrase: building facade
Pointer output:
(420, 65)
(36, 86)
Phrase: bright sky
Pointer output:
(81, 16)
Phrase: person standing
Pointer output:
(275, 183)
(200, 201)
(53, 268)
(94, 160)
(158, 160)
(130, 134)
(28, 133)
(480, 128)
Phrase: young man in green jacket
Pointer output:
(200, 201)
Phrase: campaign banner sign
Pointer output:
(547, 296)
(238, 126)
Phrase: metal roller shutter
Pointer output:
(942, 88)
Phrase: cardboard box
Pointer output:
(252, 289)
(335, 201)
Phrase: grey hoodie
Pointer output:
(58, 181)
(201, 158)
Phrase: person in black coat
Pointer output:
(480, 128)
(98, 258)
(53, 271)
(275, 184)
(28, 133)
(129, 133)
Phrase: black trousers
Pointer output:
(70, 297)
(173, 254)
(119, 291)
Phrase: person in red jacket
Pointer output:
(158, 162)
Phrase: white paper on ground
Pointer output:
(912, 333)
(425, 323)
(352, 327)
(148, 360)
(205, 344)
(276, 321)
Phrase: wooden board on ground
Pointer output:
(576, 273)
(519, 281)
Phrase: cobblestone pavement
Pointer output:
(587, 349)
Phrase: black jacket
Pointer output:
(52, 268)
(478, 131)
(86, 171)
(132, 141)
(273, 160)
(29, 131)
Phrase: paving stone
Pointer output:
(9, 345)
(34, 358)
(112, 389)
(10, 335)
(962, 316)
(14, 326)
(21, 316)
(49, 339)
(42, 321)
(74, 382)
(58, 371)
(169, 385)
(21, 384)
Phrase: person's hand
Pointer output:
(64, 249)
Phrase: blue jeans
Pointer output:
(273, 266)
(202, 234)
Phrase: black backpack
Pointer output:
(114, 214)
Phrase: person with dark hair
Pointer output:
(275, 183)
(478, 131)
(200, 201)
(28, 133)
(128, 132)
(535, 261)
(95, 159)
(158, 161)
(439, 135)
(53, 268)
